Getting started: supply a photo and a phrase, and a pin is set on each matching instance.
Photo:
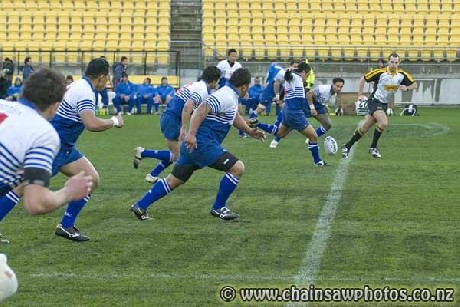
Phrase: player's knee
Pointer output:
(237, 169)
(382, 126)
(96, 179)
(173, 182)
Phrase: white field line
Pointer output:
(235, 278)
(312, 259)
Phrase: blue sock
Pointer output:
(272, 129)
(7, 203)
(277, 139)
(160, 167)
(227, 186)
(320, 131)
(156, 106)
(163, 155)
(72, 211)
(279, 119)
(313, 147)
(240, 132)
(253, 114)
(159, 190)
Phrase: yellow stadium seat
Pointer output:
(425, 54)
(362, 53)
(375, 53)
(438, 54)
(336, 53)
(452, 54)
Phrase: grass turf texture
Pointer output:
(396, 223)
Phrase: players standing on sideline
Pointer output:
(175, 119)
(387, 81)
(293, 112)
(202, 147)
(28, 145)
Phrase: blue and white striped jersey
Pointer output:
(224, 106)
(27, 140)
(323, 94)
(295, 93)
(280, 75)
(196, 91)
(79, 97)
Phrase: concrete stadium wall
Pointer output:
(430, 91)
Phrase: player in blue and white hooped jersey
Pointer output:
(175, 119)
(75, 114)
(278, 88)
(317, 99)
(28, 145)
(202, 147)
(293, 111)
(268, 93)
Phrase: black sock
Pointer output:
(356, 136)
(377, 134)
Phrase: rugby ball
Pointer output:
(330, 145)
(8, 281)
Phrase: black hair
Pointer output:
(123, 58)
(149, 80)
(393, 55)
(69, 77)
(335, 80)
(164, 78)
(231, 50)
(27, 59)
(293, 61)
(210, 74)
(124, 75)
(302, 67)
(97, 67)
(44, 87)
(240, 77)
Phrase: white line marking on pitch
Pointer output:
(312, 260)
(239, 277)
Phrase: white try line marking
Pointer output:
(312, 260)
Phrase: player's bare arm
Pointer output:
(240, 123)
(95, 124)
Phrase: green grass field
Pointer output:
(396, 222)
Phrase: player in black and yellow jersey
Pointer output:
(386, 80)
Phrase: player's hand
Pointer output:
(190, 142)
(183, 133)
(78, 186)
(403, 88)
(257, 134)
(362, 97)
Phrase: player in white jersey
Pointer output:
(175, 119)
(28, 145)
(202, 147)
(228, 66)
